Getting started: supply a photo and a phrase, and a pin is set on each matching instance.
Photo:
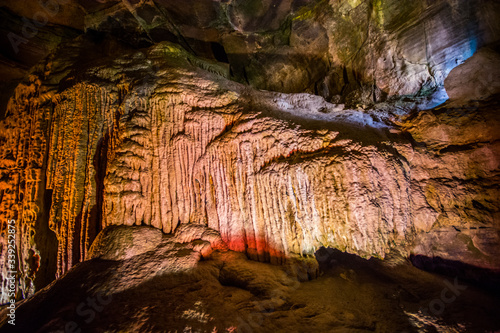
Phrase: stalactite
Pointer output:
(273, 173)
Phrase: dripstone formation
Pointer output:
(270, 129)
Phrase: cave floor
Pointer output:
(232, 294)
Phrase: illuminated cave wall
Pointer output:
(161, 137)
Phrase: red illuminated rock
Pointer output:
(170, 289)
(141, 162)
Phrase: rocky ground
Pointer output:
(174, 288)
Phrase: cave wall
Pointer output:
(353, 52)
(276, 174)
(100, 133)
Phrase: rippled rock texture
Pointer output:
(161, 138)
(139, 151)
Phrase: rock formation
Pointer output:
(168, 289)
(275, 174)
(345, 148)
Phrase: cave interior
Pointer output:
(250, 166)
